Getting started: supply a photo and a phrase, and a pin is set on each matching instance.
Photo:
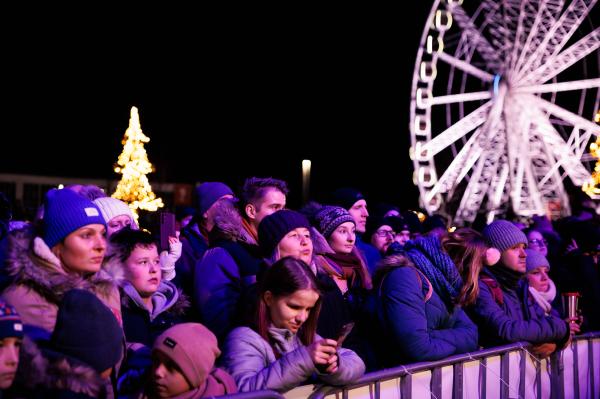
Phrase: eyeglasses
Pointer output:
(539, 243)
(385, 233)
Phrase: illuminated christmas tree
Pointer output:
(591, 187)
(134, 187)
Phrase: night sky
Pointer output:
(259, 94)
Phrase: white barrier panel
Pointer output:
(421, 385)
(447, 376)
(537, 378)
(471, 381)
(390, 389)
(492, 377)
(504, 372)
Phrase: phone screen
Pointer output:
(344, 331)
(167, 229)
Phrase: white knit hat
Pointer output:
(112, 207)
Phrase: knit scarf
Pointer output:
(507, 278)
(544, 299)
(350, 266)
(429, 257)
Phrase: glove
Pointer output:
(168, 259)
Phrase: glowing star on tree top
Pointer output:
(134, 187)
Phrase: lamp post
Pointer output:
(305, 180)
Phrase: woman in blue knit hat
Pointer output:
(65, 251)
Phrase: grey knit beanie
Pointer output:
(535, 259)
(503, 235)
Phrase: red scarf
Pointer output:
(350, 265)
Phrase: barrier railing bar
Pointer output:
(538, 380)
(457, 392)
(574, 348)
(504, 370)
(406, 387)
(556, 376)
(401, 371)
(264, 394)
(436, 382)
(483, 377)
(592, 366)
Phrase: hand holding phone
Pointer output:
(344, 332)
(167, 229)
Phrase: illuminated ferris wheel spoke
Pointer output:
(463, 97)
(544, 15)
(566, 115)
(565, 59)
(562, 86)
(466, 67)
(456, 131)
(486, 167)
(459, 167)
(475, 37)
(565, 155)
(556, 38)
(501, 106)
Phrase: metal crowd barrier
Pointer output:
(509, 371)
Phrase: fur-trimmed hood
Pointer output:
(178, 307)
(44, 371)
(32, 264)
(229, 225)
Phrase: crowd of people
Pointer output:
(250, 295)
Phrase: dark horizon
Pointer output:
(244, 95)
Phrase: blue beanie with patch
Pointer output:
(66, 211)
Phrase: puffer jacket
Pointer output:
(513, 318)
(40, 282)
(415, 328)
(222, 279)
(253, 364)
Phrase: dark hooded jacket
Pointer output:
(222, 279)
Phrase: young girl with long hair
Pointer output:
(282, 350)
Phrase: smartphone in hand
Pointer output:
(344, 331)
(167, 229)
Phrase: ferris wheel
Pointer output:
(503, 99)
